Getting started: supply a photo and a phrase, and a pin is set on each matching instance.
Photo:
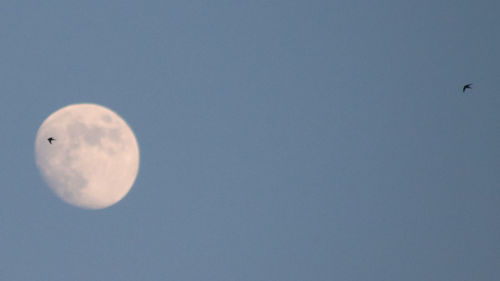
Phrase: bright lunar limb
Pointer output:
(93, 159)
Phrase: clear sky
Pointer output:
(280, 140)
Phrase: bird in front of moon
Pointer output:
(96, 160)
(468, 86)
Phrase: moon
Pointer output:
(93, 161)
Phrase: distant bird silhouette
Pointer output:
(51, 139)
(468, 86)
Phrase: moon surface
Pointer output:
(94, 159)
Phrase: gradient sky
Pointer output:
(280, 140)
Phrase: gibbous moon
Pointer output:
(94, 158)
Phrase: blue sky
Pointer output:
(280, 140)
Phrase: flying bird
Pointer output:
(468, 86)
(51, 139)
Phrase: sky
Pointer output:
(279, 140)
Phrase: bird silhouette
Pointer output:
(51, 139)
(468, 86)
